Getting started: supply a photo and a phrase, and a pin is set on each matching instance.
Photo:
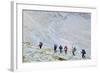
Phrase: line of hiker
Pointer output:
(65, 49)
(60, 48)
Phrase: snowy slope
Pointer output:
(62, 28)
(34, 54)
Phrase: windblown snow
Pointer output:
(53, 27)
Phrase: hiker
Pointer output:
(40, 45)
(83, 53)
(55, 48)
(65, 49)
(73, 51)
(60, 47)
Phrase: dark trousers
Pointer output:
(60, 50)
(65, 51)
(73, 53)
(83, 55)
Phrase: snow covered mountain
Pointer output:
(61, 28)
